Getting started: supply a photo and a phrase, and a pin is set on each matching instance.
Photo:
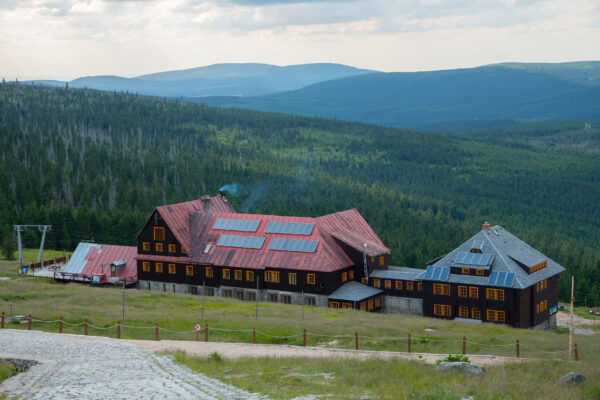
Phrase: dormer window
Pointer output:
(477, 246)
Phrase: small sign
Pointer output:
(553, 310)
(198, 327)
(24, 271)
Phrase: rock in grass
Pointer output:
(571, 377)
(467, 368)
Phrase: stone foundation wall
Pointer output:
(547, 325)
(236, 293)
(403, 305)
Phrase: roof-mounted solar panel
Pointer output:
(510, 279)
(303, 246)
(289, 228)
(493, 278)
(241, 225)
(244, 242)
(480, 259)
(437, 273)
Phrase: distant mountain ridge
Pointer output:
(249, 79)
(566, 91)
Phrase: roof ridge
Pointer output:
(502, 257)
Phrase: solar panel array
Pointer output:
(244, 242)
(241, 225)
(289, 228)
(437, 273)
(303, 246)
(473, 258)
(502, 278)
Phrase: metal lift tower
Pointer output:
(22, 228)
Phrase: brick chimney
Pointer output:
(486, 225)
(206, 203)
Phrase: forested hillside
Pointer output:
(94, 165)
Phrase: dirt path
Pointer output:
(239, 350)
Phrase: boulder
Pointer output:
(571, 377)
(467, 368)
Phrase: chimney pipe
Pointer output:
(486, 225)
(206, 203)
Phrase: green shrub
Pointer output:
(456, 358)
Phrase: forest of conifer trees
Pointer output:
(94, 165)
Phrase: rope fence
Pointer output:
(410, 341)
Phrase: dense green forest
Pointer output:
(94, 165)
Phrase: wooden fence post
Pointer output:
(119, 330)
(594, 321)
(2, 320)
(254, 335)
(197, 334)
(464, 345)
(576, 353)
(85, 324)
(356, 340)
(304, 338)
(518, 349)
(206, 332)
(156, 331)
(60, 323)
(409, 342)
(29, 322)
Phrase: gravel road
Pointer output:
(72, 368)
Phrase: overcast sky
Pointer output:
(66, 39)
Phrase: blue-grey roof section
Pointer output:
(503, 246)
(77, 261)
(289, 228)
(241, 225)
(354, 291)
(398, 273)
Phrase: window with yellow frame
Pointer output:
(146, 266)
(381, 260)
(171, 268)
(419, 287)
(466, 271)
(250, 276)
(226, 273)
(310, 279)
(146, 246)
(158, 247)
(159, 233)
(463, 312)
(398, 285)
(172, 248)
(351, 274)
(376, 283)
(441, 289)
(364, 281)
(475, 313)
(462, 291)
(442, 310)
(189, 270)
(410, 286)
(334, 304)
(238, 275)
(344, 276)
(158, 267)
(377, 302)
(473, 292)
(387, 284)
(292, 278)
(479, 272)
(272, 276)
(209, 272)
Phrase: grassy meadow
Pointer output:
(48, 300)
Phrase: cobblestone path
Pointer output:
(70, 368)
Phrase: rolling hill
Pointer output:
(569, 91)
(218, 80)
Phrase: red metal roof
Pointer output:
(99, 258)
(177, 216)
(328, 255)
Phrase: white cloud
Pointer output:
(73, 38)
